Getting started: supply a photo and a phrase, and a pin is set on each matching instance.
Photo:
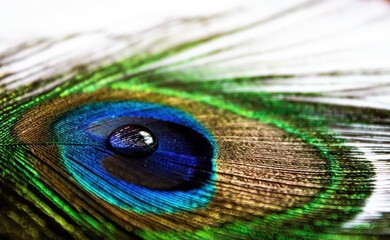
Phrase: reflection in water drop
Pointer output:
(133, 140)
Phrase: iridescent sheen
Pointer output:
(159, 177)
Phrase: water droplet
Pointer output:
(133, 140)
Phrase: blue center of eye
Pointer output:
(169, 167)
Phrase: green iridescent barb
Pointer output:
(241, 154)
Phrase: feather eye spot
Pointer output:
(207, 159)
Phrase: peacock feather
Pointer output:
(252, 120)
